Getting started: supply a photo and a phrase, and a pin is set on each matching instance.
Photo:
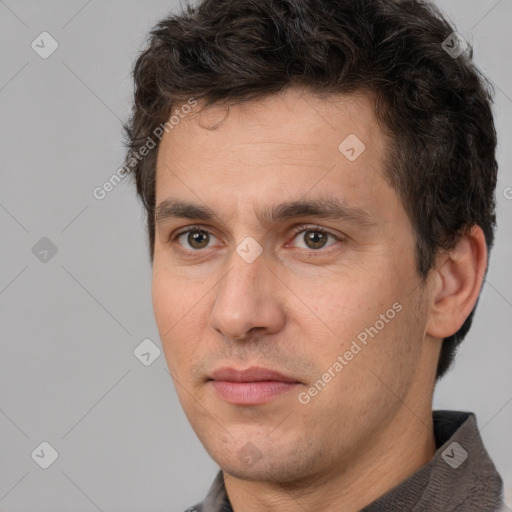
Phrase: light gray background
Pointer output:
(69, 326)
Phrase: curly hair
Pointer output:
(435, 106)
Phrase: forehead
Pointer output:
(294, 118)
(283, 147)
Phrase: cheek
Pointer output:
(177, 315)
(174, 298)
(360, 308)
(164, 302)
(342, 301)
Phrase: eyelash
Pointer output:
(296, 231)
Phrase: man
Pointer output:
(320, 212)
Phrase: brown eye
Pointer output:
(196, 238)
(313, 238)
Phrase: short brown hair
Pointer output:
(435, 107)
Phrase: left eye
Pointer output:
(314, 238)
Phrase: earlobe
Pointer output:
(458, 280)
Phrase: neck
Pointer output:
(403, 447)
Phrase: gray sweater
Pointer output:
(460, 477)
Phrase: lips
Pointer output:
(253, 386)
(254, 374)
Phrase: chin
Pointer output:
(289, 472)
(266, 462)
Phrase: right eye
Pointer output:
(196, 238)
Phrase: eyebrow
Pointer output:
(322, 208)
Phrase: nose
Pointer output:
(248, 299)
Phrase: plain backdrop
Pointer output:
(75, 274)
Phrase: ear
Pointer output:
(458, 279)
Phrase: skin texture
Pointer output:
(295, 309)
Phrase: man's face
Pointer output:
(245, 289)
